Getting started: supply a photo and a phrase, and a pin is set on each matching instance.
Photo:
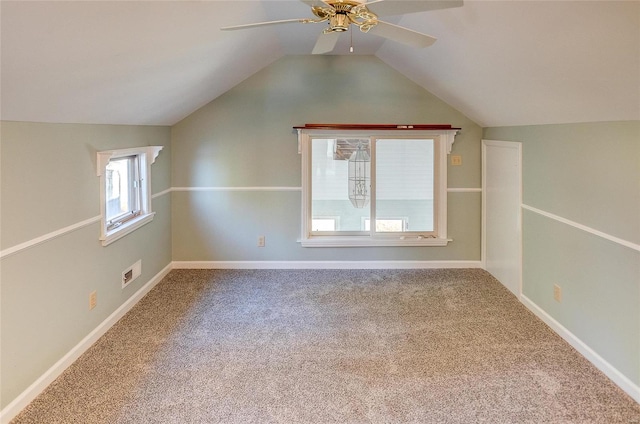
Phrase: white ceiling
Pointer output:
(155, 62)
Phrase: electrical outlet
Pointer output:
(557, 293)
(261, 241)
(131, 273)
(93, 300)
(456, 160)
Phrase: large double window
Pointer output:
(395, 178)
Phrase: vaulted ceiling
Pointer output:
(153, 63)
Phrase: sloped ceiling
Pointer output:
(153, 63)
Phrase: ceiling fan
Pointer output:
(341, 14)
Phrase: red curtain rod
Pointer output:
(376, 127)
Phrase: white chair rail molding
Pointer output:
(125, 190)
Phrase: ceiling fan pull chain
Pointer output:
(351, 34)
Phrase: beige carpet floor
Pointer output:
(333, 346)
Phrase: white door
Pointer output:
(501, 214)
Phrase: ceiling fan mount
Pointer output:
(341, 14)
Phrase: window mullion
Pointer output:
(137, 201)
(372, 189)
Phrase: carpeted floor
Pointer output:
(358, 346)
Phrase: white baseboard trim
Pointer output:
(324, 264)
(609, 370)
(26, 397)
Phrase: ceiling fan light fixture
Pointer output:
(339, 23)
(363, 18)
(323, 13)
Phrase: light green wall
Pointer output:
(589, 174)
(245, 138)
(48, 182)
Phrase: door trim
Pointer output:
(483, 249)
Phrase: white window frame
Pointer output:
(443, 142)
(145, 156)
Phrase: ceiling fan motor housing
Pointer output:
(343, 13)
(339, 23)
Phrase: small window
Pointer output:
(125, 190)
(123, 194)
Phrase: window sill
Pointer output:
(126, 228)
(357, 241)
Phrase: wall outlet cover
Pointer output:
(93, 300)
(557, 293)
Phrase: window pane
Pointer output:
(386, 225)
(330, 183)
(404, 185)
(323, 224)
(120, 191)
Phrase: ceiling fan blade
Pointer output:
(326, 43)
(259, 24)
(315, 3)
(399, 7)
(402, 35)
